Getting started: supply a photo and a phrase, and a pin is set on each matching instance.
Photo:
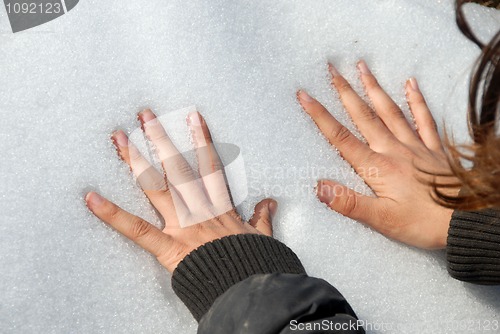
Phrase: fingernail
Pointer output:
(325, 192)
(146, 116)
(194, 119)
(333, 71)
(304, 96)
(414, 84)
(94, 199)
(363, 68)
(272, 206)
(120, 138)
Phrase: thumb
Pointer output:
(347, 201)
(263, 214)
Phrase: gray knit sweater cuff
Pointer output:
(209, 271)
(473, 251)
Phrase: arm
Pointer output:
(257, 283)
(473, 251)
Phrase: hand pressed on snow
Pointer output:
(202, 205)
(389, 162)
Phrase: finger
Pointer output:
(369, 124)
(426, 126)
(178, 171)
(210, 166)
(348, 202)
(149, 178)
(386, 109)
(263, 215)
(350, 147)
(136, 229)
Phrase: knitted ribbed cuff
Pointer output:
(473, 252)
(213, 268)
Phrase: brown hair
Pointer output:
(480, 184)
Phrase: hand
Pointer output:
(391, 162)
(195, 210)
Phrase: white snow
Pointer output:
(66, 85)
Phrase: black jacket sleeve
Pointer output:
(249, 283)
(473, 247)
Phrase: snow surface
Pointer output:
(65, 85)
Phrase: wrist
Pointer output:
(207, 272)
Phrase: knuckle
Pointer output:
(156, 133)
(182, 165)
(216, 165)
(140, 228)
(367, 113)
(343, 87)
(213, 164)
(234, 214)
(179, 164)
(418, 101)
(151, 179)
(349, 204)
(202, 138)
(266, 220)
(112, 212)
(161, 138)
(372, 84)
(339, 135)
(316, 111)
(134, 156)
(395, 112)
(158, 183)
